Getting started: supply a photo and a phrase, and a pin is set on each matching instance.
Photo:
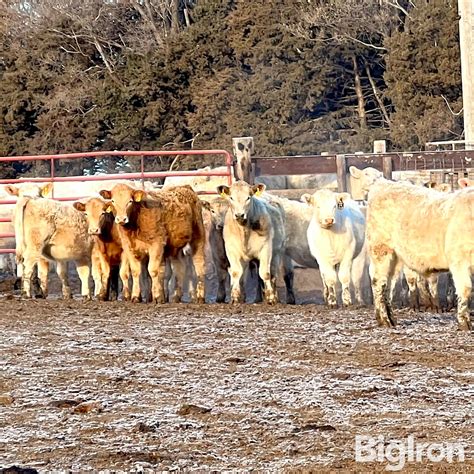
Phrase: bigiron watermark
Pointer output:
(396, 453)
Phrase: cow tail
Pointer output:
(20, 229)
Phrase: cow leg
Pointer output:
(450, 292)
(288, 277)
(179, 270)
(200, 269)
(463, 285)
(236, 271)
(384, 263)
(222, 279)
(97, 275)
(136, 270)
(61, 269)
(157, 270)
(125, 277)
(83, 270)
(43, 270)
(358, 275)
(28, 268)
(433, 295)
(329, 276)
(264, 270)
(344, 274)
(412, 278)
(112, 284)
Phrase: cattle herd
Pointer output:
(168, 235)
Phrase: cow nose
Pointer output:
(329, 221)
(239, 216)
(121, 220)
(94, 231)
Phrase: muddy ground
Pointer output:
(117, 386)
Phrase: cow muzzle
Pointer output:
(121, 220)
(94, 231)
(241, 218)
(327, 223)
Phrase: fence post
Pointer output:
(243, 148)
(387, 167)
(341, 169)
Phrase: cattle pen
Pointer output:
(115, 386)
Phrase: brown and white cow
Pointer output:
(156, 226)
(428, 231)
(50, 230)
(106, 249)
(253, 229)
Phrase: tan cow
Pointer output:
(156, 226)
(253, 229)
(47, 229)
(107, 247)
(428, 231)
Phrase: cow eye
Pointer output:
(248, 199)
(112, 201)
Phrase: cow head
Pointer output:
(124, 200)
(324, 206)
(218, 209)
(364, 179)
(240, 196)
(99, 214)
(30, 190)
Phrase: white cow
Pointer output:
(336, 239)
(7, 211)
(253, 229)
(426, 230)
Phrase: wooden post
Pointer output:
(243, 148)
(341, 167)
(380, 146)
(387, 167)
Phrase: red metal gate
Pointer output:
(117, 176)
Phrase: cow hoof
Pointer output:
(159, 300)
(465, 324)
(136, 299)
(86, 298)
(101, 298)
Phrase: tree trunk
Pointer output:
(360, 95)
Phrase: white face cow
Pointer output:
(325, 204)
(240, 196)
(364, 179)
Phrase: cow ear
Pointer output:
(307, 198)
(341, 198)
(105, 194)
(258, 189)
(80, 206)
(13, 190)
(109, 208)
(46, 190)
(138, 195)
(206, 205)
(224, 191)
(464, 183)
(355, 172)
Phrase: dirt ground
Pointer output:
(116, 386)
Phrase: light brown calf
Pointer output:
(156, 226)
(47, 229)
